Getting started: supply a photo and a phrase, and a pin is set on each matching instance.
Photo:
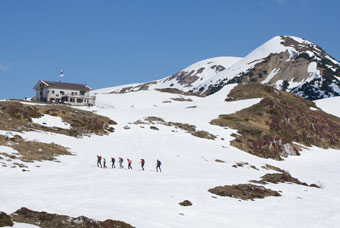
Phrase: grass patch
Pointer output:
(243, 191)
(181, 99)
(29, 151)
(5, 220)
(177, 91)
(15, 116)
(185, 203)
(47, 220)
(276, 178)
(270, 128)
(219, 161)
(184, 126)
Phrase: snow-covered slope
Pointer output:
(329, 105)
(183, 80)
(197, 73)
(75, 186)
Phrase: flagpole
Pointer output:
(61, 75)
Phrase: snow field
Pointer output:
(51, 121)
(75, 186)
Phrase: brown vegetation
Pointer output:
(219, 161)
(181, 99)
(194, 106)
(281, 178)
(269, 128)
(184, 126)
(277, 169)
(185, 203)
(15, 116)
(47, 220)
(177, 91)
(243, 191)
(29, 151)
(5, 220)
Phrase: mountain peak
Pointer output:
(288, 63)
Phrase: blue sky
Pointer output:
(107, 43)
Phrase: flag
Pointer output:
(61, 73)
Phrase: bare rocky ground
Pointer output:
(270, 128)
(184, 126)
(244, 191)
(48, 220)
(15, 116)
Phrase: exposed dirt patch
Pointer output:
(281, 178)
(186, 78)
(244, 164)
(154, 119)
(29, 151)
(15, 116)
(129, 89)
(47, 220)
(5, 220)
(244, 191)
(277, 169)
(187, 127)
(185, 203)
(177, 91)
(219, 161)
(270, 128)
(182, 99)
(249, 91)
(154, 128)
(194, 106)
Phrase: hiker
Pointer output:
(142, 162)
(99, 161)
(129, 163)
(113, 162)
(7, 136)
(121, 163)
(158, 166)
(104, 162)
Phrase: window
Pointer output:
(72, 93)
(62, 92)
(82, 92)
(79, 100)
(72, 100)
(52, 91)
(75, 93)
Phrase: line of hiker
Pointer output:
(121, 160)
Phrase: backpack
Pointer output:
(159, 162)
(142, 160)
